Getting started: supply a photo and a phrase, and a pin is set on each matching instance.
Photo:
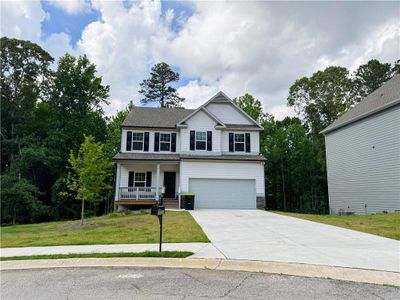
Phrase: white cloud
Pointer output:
(21, 19)
(71, 6)
(282, 111)
(255, 47)
(121, 44)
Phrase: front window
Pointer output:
(140, 179)
(165, 142)
(239, 142)
(137, 140)
(201, 140)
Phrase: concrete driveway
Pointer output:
(260, 235)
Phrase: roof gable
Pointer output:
(221, 97)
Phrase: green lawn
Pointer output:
(173, 254)
(387, 225)
(136, 228)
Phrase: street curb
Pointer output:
(294, 269)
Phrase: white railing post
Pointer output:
(117, 183)
(158, 183)
(137, 193)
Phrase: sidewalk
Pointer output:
(201, 250)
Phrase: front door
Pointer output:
(169, 184)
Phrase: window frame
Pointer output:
(137, 141)
(235, 142)
(134, 179)
(164, 142)
(197, 140)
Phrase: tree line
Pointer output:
(57, 143)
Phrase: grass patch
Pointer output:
(173, 254)
(386, 225)
(135, 228)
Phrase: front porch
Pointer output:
(143, 183)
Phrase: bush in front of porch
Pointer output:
(134, 228)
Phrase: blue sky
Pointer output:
(238, 47)
(60, 21)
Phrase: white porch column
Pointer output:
(117, 181)
(158, 183)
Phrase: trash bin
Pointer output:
(187, 200)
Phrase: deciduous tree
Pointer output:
(89, 171)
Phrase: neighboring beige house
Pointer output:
(363, 154)
(213, 151)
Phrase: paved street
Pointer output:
(156, 283)
(261, 235)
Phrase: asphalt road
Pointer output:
(156, 283)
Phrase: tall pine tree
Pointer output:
(157, 88)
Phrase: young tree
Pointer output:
(251, 106)
(90, 169)
(157, 88)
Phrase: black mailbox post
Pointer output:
(159, 210)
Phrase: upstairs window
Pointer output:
(201, 140)
(137, 141)
(165, 142)
(239, 142)
(140, 179)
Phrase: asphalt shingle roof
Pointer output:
(155, 117)
(385, 96)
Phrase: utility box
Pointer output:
(187, 201)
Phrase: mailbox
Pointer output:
(158, 210)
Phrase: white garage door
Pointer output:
(223, 193)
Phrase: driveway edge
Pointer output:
(293, 269)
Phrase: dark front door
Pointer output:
(169, 183)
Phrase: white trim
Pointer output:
(195, 140)
(202, 108)
(134, 179)
(170, 141)
(234, 141)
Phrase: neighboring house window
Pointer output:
(140, 179)
(137, 140)
(201, 140)
(165, 142)
(239, 142)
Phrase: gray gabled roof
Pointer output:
(384, 97)
(155, 117)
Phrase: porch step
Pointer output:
(171, 203)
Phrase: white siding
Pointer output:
(222, 170)
(227, 113)
(126, 167)
(151, 140)
(363, 161)
(201, 122)
(254, 142)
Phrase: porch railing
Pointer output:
(139, 193)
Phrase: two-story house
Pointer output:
(212, 151)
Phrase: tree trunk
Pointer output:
(14, 214)
(283, 188)
(83, 211)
